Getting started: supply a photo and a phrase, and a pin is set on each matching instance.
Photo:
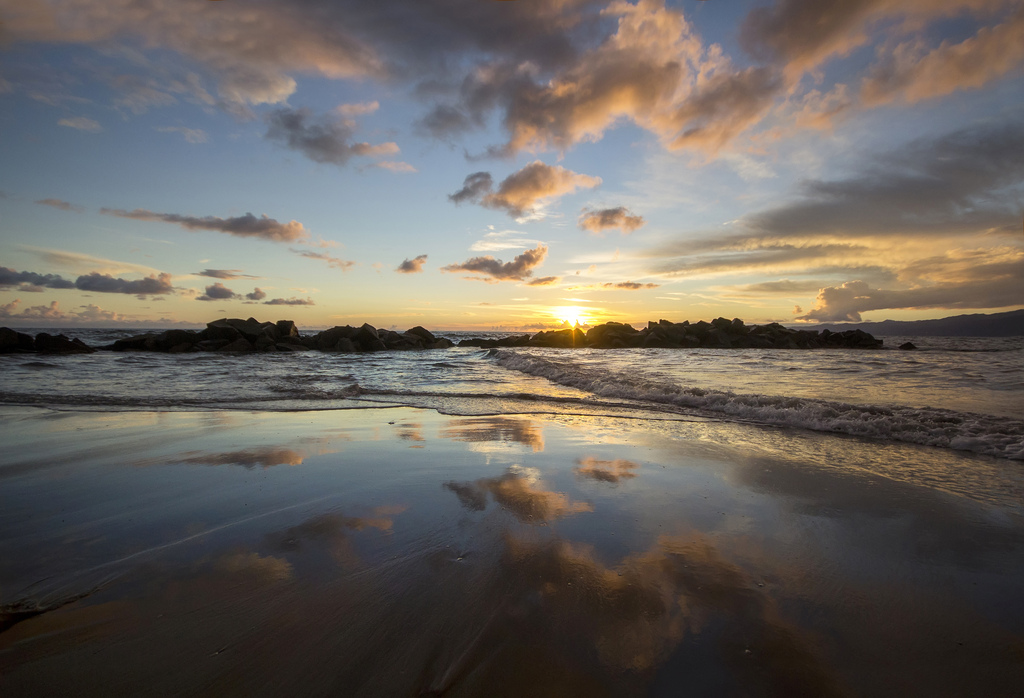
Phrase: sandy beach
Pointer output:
(397, 551)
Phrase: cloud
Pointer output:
(615, 286)
(396, 166)
(494, 269)
(62, 205)
(606, 470)
(848, 301)
(608, 218)
(84, 262)
(289, 301)
(218, 292)
(52, 313)
(498, 240)
(250, 59)
(359, 109)
(81, 123)
(10, 278)
(521, 191)
(544, 281)
(191, 135)
(802, 35)
(336, 262)
(521, 493)
(100, 283)
(226, 274)
(324, 140)
(104, 283)
(412, 266)
(912, 73)
(257, 294)
(241, 226)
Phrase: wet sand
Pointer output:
(390, 552)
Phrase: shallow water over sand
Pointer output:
(402, 552)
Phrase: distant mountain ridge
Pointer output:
(1010, 324)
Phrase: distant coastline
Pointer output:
(1009, 324)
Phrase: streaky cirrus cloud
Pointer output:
(336, 262)
(81, 123)
(191, 135)
(614, 286)
(62, 205)
(251, 60)
(412, 266)
(323, 140)
(494, 270)
(289, 301)
(610, 218)
(802, 35)
(544, 281)
(250, 226)
(522, 191)
(912, 72)
(226, 274)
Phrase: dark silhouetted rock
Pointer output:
(60, 344)
(287, 328)
(12, 341)
(908, 346)
(240, 344)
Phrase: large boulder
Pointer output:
(12, 341)
(60, 344)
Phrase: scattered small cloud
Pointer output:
(521, 192)
(620, 217)
(290, 301)
(257, 294)
(544, 281)
(336, 262)
(191, 135)
(226, 274)
(412, 266)
(218, 292)
(62, 205)
(81, 123)
(494, 270)
(323, 140)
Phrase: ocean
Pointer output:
(514, 522)
(952, 392)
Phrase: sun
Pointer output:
(574, 315)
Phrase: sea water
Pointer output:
(960, 393)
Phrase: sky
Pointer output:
(509, 164)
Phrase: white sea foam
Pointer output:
(986, 434)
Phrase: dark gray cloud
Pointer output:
(226, 274)
(62, 205)
(322, 140)
(104, 283)
(218, 292)
(474, 188)
(848, 301)
(289, 301)
(412, 266)
(494, 269)
(263, 227)
(257, 294)
(10, 277)
(958, 182)
(610, 218)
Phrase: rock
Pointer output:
(60, 344)
(366, 338)
(908, 346)
(287, 328)
(442, 343)
(240, 344)
(567, 339)
(425, 335)
(12, 341)
(344, 345)
(219, 330)
(328, 339)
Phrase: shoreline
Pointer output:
(499, 555)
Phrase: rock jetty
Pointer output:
(251, 335)
(717, 334)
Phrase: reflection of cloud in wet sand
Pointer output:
(411, 431)
(606, 470)
(333, 528)
(266, 568)
(519, 491)
(481, 429)
(257, 456)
